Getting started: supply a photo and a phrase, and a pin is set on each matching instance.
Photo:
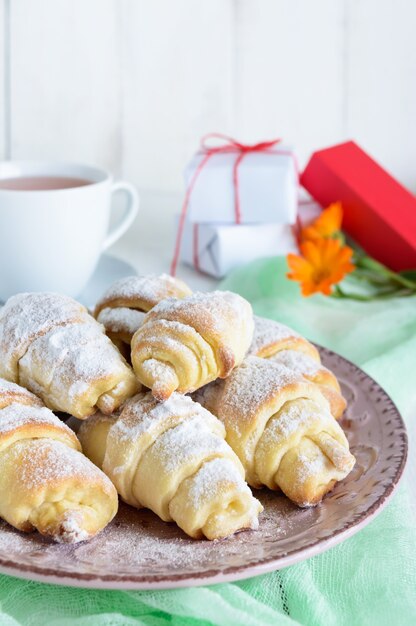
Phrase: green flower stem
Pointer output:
(393, 293)
(372, 277)
(364, 262)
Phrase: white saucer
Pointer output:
(108, 270)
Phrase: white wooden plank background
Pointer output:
(381, 82)
(177, 83)
(65, 80)
(290, 74)
(133, 84)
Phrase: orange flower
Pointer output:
(323, 263)
(326, 224)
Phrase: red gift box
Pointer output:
(379, 213)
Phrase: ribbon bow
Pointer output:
(229, 145)
(232, 145)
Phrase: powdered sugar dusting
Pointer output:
(191, 439)
(294, 416)
(50, 461)
(10, 392)
(17, 415)
(143, 412)
(8, 387)
(27, 316)
(267, 332)
(121, 319)
(311, 466)
(149, 290)
(68, 360)
(211, 479)
(298, 362)
(218, 312)
(70, 530)
(170, 336)
(252, 384)
(158, 370)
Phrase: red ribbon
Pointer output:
(230, 145)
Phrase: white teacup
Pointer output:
(54, 220)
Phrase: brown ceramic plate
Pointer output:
(138, 551)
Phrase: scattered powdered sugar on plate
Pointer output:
(121, 319)
(138, 542)
(141, 540)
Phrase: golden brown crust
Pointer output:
(250, 395)
(227, 360)
(336, 400)
(276, 341)
(37, 430)
(171, 457)
(280, 426)
(52, 346)
(47, 486)
(184, 344)
(46, 483)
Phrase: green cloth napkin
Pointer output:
(370, 579)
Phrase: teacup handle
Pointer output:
(130, 212)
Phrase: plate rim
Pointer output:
(235, 573)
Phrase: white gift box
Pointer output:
(220, 248)
(267, 183)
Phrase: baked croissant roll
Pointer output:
(184, 344)
(172, 459)
(279, 342)
(123, 306)
(280, 426)
(270, 337)
(46, 483)
(51, 345)
(317, 373)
